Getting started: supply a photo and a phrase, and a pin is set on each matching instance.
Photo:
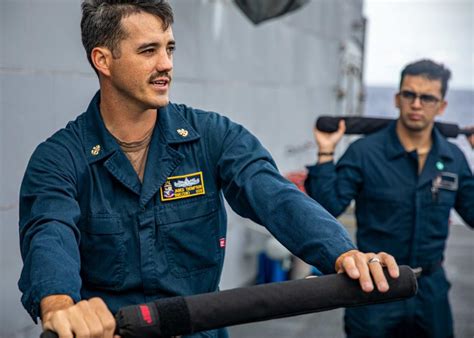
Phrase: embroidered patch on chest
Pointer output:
(184, 186)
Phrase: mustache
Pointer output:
(157, 75)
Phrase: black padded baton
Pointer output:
(185, 315)
(368, 125)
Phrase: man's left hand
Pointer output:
(367, 268)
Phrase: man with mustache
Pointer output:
(125, 205)
(404, 179)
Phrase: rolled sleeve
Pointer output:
(48, 234)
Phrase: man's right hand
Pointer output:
(327, 142)
(86, 319)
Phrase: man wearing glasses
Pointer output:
(404, 179)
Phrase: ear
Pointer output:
(442, 108)
(397, 100)
(101, 58)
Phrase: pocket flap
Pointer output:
(103, 225)
(171, 213)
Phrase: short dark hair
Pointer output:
(101, 21)
(429, 69)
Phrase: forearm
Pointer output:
(49, 235)
(49, 268)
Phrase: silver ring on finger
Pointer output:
(373, 260)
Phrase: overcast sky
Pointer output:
(401, 31)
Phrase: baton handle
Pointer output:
(368, 125)
(49, 334)
(176, 316)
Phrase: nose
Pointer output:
(416, 102)
(165, 62)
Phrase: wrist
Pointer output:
(326, 149)
(326, 153)
(52, 303)
(324, 157)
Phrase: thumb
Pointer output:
(337, 136)
(341, 127)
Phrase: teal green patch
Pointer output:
(439, 165)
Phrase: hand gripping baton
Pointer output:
(368, 125)
(185, 315)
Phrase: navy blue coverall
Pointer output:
(405, 214)
(90, 228)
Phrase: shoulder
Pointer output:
(451, 154)
(454, 149)
(366, 149)
(203, 120)
(458, 156)
(372, 141)
(64, 146)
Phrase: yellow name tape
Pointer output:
(184, 186)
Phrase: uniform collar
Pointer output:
(174, 127)
(440, 153)
(99, 142)
(395, 149)
(442, 145)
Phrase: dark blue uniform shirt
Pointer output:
(404, 213)
(89, 227)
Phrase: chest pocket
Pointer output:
(103, 252)
(190, 230)
(443, 198)
(446, 197)
(386, 210)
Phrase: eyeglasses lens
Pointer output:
(425, 99)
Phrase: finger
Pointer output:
(60, 324)
(78, 324)
(340, 130)
(342, 126)
(104, 315)
(91, 319)
(349, 267)
(317, 131)
(391, 264)
(365, 280)
(378, 276)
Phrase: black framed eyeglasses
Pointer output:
(425, 99)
